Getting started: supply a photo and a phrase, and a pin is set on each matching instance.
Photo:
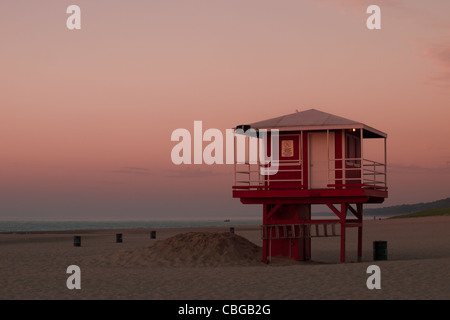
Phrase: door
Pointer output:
(321, 147)
(289, 171)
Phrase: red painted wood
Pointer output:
(338, 155)
(290, 167)
(305, 159)
(284, 203)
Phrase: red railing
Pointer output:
(342, 174)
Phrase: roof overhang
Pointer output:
(368, 132)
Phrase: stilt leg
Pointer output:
(264, 234)
(359, 243)
(343, 241)
(359, 207)
(344, 207)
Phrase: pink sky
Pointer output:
(86, 116)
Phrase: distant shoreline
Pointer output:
(62, 226)
(424, 213)
(36, 226)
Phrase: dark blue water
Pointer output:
(49, 225)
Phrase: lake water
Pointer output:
(53, 225)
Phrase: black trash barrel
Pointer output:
(118, 237)
(380, 250)
(232, 230)
(77, 241)
(153, 235)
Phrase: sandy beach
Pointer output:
(184, 264)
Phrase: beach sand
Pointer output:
(210, 263)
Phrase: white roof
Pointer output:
(315, 120)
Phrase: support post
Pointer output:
(304, 243)
(265, 234)
(344, 207)
(359, 208)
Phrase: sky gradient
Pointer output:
(86, 115)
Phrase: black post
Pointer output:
(77, 241)
(380, 250)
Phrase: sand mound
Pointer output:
(195, 249)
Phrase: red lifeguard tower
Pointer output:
(320, 161)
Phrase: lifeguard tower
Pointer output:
(320, 161)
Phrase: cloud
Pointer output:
(190, 173)
(138, 171)
(135, 168)
(109, 182)
(441, 80)
(440, 55)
